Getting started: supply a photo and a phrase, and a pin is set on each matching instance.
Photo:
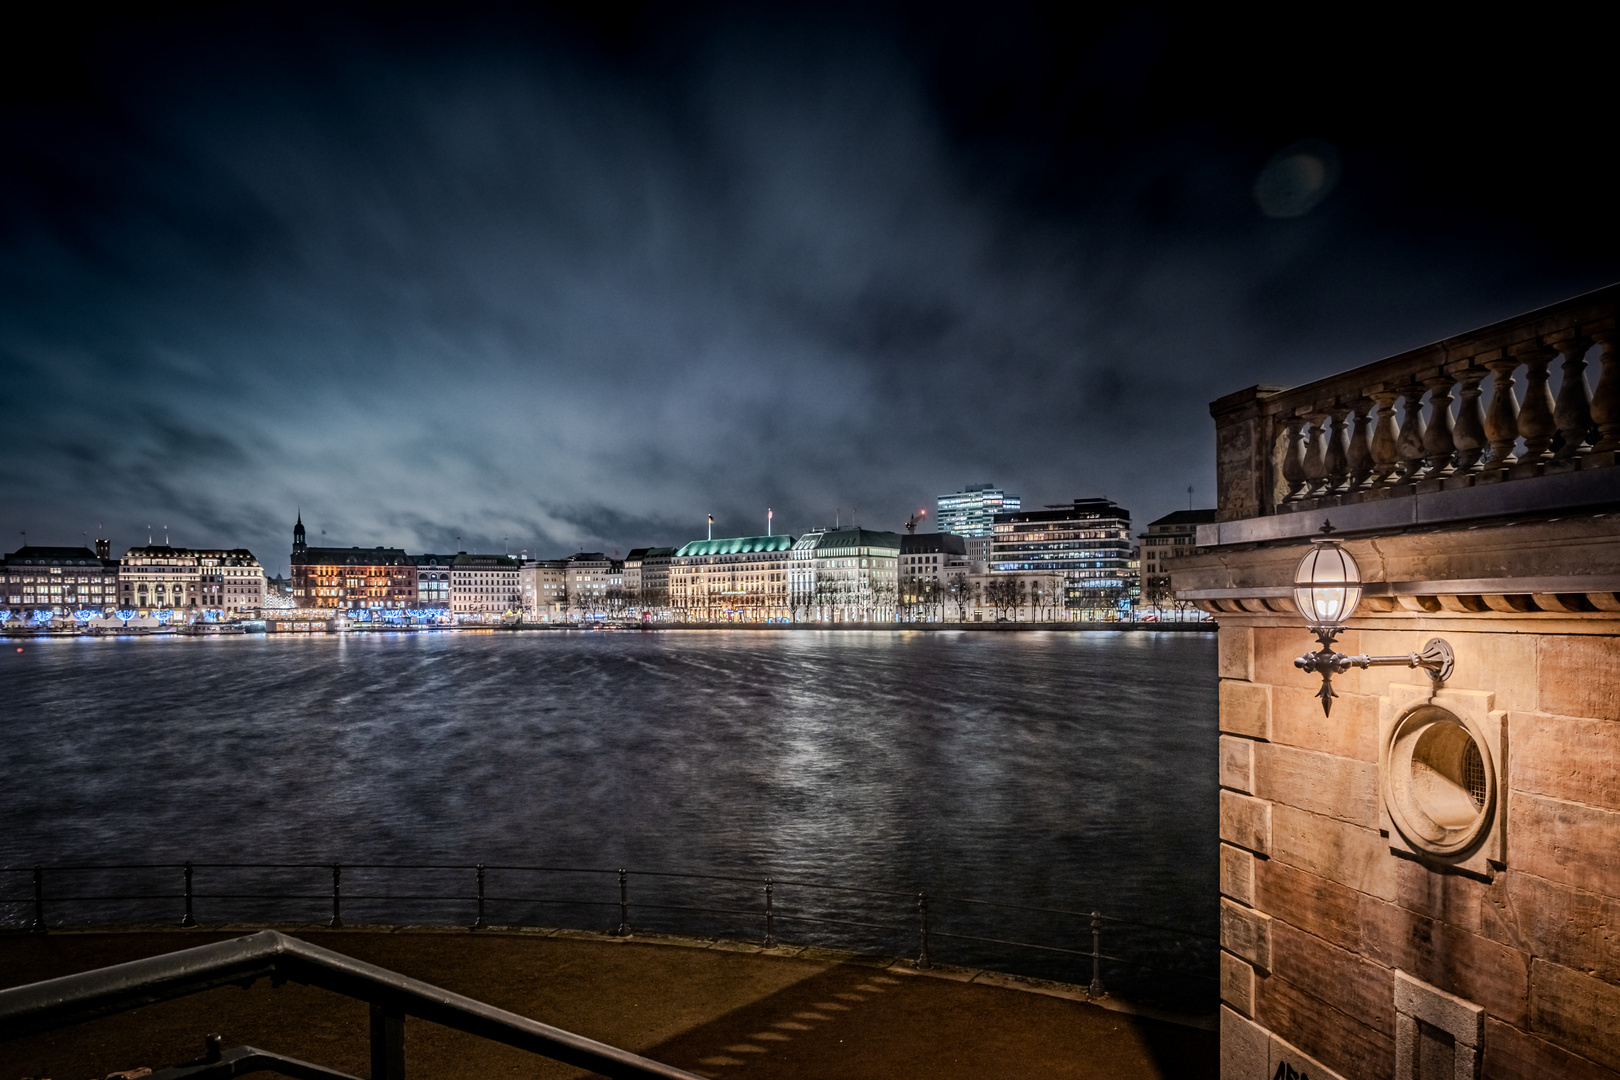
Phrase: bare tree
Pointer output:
(960, 588)
(882, 597)
(1000, 593)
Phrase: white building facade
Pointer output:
(739, 579)
(485, 587)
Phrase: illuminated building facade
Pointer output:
(651, 592)
(1085, 544)
(845, 575)
(740, 579)
(972, 511)
(433, 581)
(58, 579)
(931, 564)
(485, 585)
(374, 579)
(1172, 535)
(209, 581)
(158, 577)
(544, 585)
(588, 576)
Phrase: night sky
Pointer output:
(544, 279)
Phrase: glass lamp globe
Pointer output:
(1327, 585)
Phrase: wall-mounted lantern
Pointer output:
(1327, 588)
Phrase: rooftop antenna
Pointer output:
(838, 517)
(148, 535)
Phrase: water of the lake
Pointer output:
(1049, 770)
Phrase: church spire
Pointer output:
(298, 531)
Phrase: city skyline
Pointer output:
(579, 283)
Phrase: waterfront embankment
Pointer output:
(715, 1007)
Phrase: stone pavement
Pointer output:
(716, 1008)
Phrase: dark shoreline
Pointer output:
(1002, 627)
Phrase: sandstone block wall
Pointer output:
(1319, 915)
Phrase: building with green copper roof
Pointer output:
(736, 545)
(735, 579)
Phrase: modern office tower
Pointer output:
(1085, 545)
(972, 511)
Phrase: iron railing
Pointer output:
(72, 999)
(667, 901)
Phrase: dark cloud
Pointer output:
(555, 282)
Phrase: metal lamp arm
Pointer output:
(1436, 658)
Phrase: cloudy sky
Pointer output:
(530, 278)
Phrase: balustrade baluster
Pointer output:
(1469, 434)
(1386, 458)
(1502, 418)
(1606, 398)
(1361, 460)
(1439, 449)
(1573, 410)
(1316, 476)
(1409, 444)
(1536, 423)
(1337, 458)
(1293, 463)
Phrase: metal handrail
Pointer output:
(72, 999)
(770, 910)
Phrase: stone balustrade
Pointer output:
(1473, 410)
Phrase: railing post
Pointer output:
(39, 900)
(922, 931)
(188, 921)
(1096, 987)
(624, 903)
(337, 907)
(480, 924)
(387, 1043)
(770, 915)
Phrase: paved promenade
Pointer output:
(719, 1009)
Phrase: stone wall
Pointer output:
(1345, 950)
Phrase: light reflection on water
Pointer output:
(1062, 769)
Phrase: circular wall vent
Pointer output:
(1441, 781)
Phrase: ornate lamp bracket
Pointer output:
(1436, 658)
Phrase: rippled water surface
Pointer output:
(1047, 769)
